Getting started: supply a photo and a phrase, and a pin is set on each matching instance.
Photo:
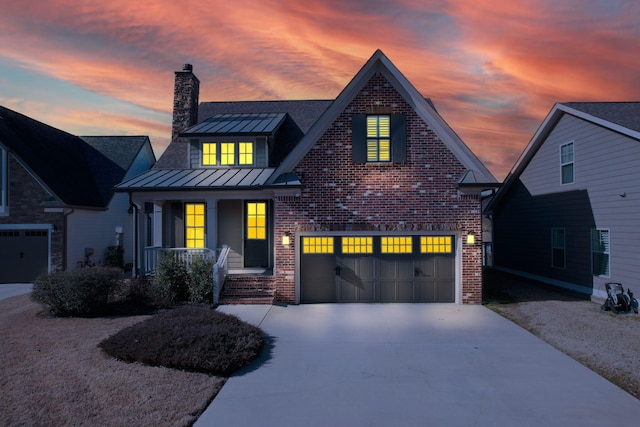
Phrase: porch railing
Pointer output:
(220, 273)
(186, 255)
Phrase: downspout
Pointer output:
(136, 268)
(65, 227)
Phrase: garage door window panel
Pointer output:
(436, 244)
(317, 245)
(357, 245)
(396, 245)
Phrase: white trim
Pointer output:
(608, 252)
(4, 178)
(572, 162)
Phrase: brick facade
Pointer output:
(27, 201)
(419, 194)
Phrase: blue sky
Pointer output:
(494, 68)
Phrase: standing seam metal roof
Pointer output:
(224, 124)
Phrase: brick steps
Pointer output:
(247, 290)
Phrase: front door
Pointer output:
(256, 243)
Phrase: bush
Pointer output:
(114, 256)
(83, 292)
(171, 281)
(190, 337)
(201, 281)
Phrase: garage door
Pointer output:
(377, 269)
(24, 255)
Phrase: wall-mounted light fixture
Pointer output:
(285, 238)
(471, 238)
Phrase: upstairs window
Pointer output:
(227, 153)
(566, 163)
(209, 154)
(378, 138)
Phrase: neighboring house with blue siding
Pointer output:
(568, 214)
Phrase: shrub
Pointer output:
(114, 256)
(83, 292)
(171, 280)
(201, 281)
(190, 337)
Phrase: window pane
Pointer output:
(227, 153)
(566, 153)
(194, 225)
(396, 245)
(384, 126)
(317, 245)
(600, 252)
(436, 244)
(567, 173)
(256, 220)
(357, 245)
(209, 153)
(245, 153)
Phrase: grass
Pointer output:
(189, 337)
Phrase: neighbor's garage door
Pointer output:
(24, 255)
(377, 269)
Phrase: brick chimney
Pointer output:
(185, 100)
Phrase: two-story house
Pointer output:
(370, 197)
(58, 210)
(568, 214)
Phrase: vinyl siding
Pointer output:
(607, 165)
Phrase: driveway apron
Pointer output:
(410, 365)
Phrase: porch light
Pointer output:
(285, 238)
(471, 238)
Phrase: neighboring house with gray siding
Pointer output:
(57, 203)
(369, 197)
(568, 214)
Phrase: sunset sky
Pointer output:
(493, 68)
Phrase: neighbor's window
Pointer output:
(600, 252)
(379, 138)
(558, 251)
(357, 245)
(4, 177)
(209, 154)
(317, 245)
(194, 225)
(436, 244)
(245, 153)
(396, 245)
(567, 163)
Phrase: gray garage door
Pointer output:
(24, 255)
(377, 269)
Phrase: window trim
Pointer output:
(571, 163)
(606, 252)
(563, 248)
(397, 139)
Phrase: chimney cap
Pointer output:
(187, 67)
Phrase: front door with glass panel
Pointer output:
(256, 243)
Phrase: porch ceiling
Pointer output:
(197, 179)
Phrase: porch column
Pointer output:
(212, 224)
(157, 224)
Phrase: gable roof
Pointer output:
(74, 172)
(379, 63)
(620, 117)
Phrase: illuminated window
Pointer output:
(227, 153)
(257, 220)
(317, 245)
(396, 245)
(209, 154)
(357, 245)
(436, 244)
(566, 163)
(194, 225)
(245, 153)
(378, 138)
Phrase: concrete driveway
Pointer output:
(410, 365)
(8, 290)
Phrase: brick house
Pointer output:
(58, 210)
(370, 197)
